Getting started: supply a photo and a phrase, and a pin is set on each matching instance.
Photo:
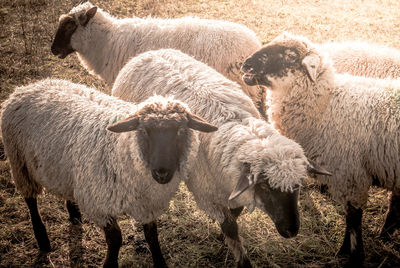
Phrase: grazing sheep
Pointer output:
(349, 123)
(246, 152)
(54, 134)
(104, 44)
(364, 59)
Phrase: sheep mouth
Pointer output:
(250, 79)
(62, 56)
(61, 53)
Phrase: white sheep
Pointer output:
(245, 153)
(350, 123)
(363, 59)
(104, 43)
(54, 134)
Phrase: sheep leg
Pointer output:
(236, 211)
(151, 235)
(230, 229)
(75, 216)
(392, 222)
(114, 242)
(353, 244)
(38, 227)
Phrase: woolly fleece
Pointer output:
(242, 136)
(106, 43)
(363, 59)
(54, 133)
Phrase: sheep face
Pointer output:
(68, 24)
(278, 64)
(280, 205)
(163, 135)
(272, 169)
(163, 148)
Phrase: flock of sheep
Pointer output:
(181, 110)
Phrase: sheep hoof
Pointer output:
(44, 243)
(351, 259)
(160, 265)
(344, 251)
(45, 248)
(244, 263)
(354, 261)
(75, 216)
(110, 264)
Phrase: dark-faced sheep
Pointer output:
(349, 123)
(245, 163)
(104, 43)
(55, 136)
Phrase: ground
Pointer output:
(187, 236)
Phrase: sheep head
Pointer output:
(163, 134)
(272, 171)
(281, 62)
(68, 24)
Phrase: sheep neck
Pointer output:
(306, 102)
(104, 46)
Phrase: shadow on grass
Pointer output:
(75, 245)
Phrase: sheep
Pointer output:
(54, 134)
(349, 123)
(104, 43)
(363, 59)
(245, 163)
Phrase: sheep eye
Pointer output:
(290, 55)
(70, 25)
(264, 185)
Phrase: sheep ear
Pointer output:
(246, 180)
(129, 124)
(197, 123)
(85, 18)
(314, 168)
(311, 63)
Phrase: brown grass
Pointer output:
(187, 236)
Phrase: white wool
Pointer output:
(349, 124)
(363, 58)
(69, 151)
(106, 43)
(242, 137)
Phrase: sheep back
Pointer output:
(221, 102)
(364, 59)
(222, 45)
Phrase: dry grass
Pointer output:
(187, 236)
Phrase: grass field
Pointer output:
(188, 238)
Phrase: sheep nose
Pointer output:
(161, 175)
(54, 50)
(288, 230)
(289, 233)
(246, 67)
